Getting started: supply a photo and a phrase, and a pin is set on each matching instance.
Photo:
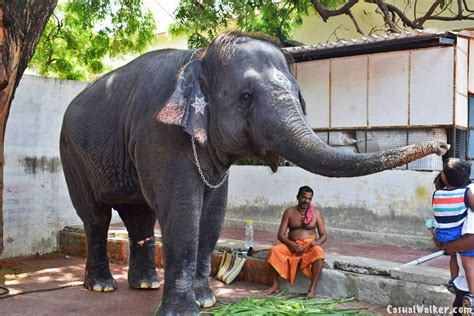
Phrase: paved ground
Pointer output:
(54, 270)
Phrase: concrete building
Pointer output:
(368, 95)
(384, 92)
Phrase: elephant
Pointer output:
(155, 139)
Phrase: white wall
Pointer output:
(404, 191)
(391, 205)
(408, 88)
(431, 86)
(316, 96)
(36, 201)
(471, 66)
(389, 76)
(348, 97)
(462, 82)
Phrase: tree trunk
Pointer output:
(21, 24)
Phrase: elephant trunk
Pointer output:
(296, 141)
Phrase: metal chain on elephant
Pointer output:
(198, 165)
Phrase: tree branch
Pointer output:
(417, 23)
(453, 18)
(359, 30)
(428, 15)
(386, 16)
(465, 7)
(326, 13)
(406, 21)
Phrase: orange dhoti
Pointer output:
(286, 262)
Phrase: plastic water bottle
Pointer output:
(249, 234)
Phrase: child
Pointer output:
(450, 207)
(431, 225)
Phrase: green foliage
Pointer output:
(250, 161)
(202, 20)
(257, 161)
(81, 34)
(281, 305)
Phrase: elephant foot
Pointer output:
(146, 281)
(173, 312)
(142, 273)
(99, 280)
(204, 296)
(179, 304)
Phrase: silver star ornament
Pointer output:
(199, 104)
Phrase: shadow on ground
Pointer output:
(54, 270)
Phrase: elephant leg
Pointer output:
(140, 221)
(212, 218)
(97, 275)
(179, 226)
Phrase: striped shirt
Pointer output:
(450, 207)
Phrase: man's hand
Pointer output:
(299, 250)
(313, 243)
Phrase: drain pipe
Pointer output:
(424, 258)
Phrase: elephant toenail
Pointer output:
(208, 303)
(97, 288)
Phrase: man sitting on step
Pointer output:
(300, 243)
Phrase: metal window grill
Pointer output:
(458, 140)
(375, 140)
(461, 146)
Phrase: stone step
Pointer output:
(370, 280)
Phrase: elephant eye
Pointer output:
(245, 98)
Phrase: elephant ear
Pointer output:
(187, 105)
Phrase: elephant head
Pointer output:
(240, 98)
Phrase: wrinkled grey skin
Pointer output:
(126, 144)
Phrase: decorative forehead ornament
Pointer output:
(199, 105)
(280, 79)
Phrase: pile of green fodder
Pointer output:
(279, 305)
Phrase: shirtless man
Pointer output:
(301, 245)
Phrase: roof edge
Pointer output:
(374, 44)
